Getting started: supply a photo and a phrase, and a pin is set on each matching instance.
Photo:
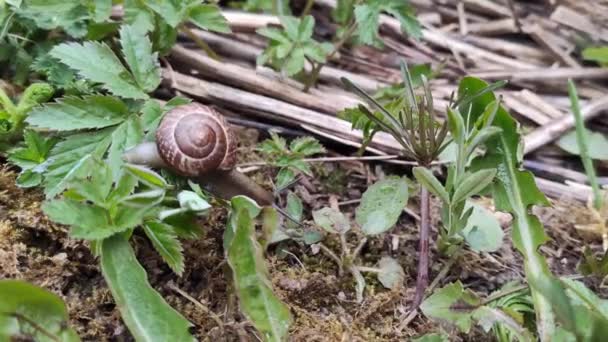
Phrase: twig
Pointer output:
(547, 133)
(333, 256)
(200, 305)
(199, 42)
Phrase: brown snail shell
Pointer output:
(195, 139)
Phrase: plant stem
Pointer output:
(316, 69)
(422, 279)
(35, 325)
(307, 8)
(199, 42)
(581, 139)
(368, 269)
(333, 256)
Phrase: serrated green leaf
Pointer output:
(71, 15)
(284, 178)
(482, 232)
(454, 304)
(37, 305)
(137, 49)
(516, 192)
(88, 221)
(138, 15)
(472, 184)
(306, 146)
(209, 17)
(73, 113)
(331, 220)
(381, 205)
(166, 244)
(172, 11)
(144, 311)
(367, 16)
(125, 136)
(260, 305)
(391, 273)
(68, 155)
(102, 9)
(426, 178)
(98, 63)
(35, 152)
(163, 37)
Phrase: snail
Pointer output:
(196, 141)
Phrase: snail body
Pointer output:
(196, 141)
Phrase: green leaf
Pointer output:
(306, 146)
(137, 49)
(269, 315)
(209, 17)
(192, 201)
(391, 273)
(456, 125)
(284, 178)
(35, 152)
(166, 244)
(28, 179)
(67, 156)
(294, 206)
(164, 37)
(125, 136)
(73, 113)
(331, 220)
(454, 304)
(98, 63)
(381, 205)
(138, 15)
(88, 221)
(516, 192)
(597, 54)
(71, 15)
(102, 10)
(597, 144)
(144, 311)
(367, 16)
(426, 178)
(482, 232)
(472, 184)
(34, 304)
(172, 11)
(147, 176)
(288, 49)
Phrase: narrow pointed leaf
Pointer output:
(261, 306)
(426, 178)
(144, 311)
(473, 184)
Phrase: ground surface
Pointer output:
(34, 249)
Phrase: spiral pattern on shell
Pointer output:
(195, 139)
